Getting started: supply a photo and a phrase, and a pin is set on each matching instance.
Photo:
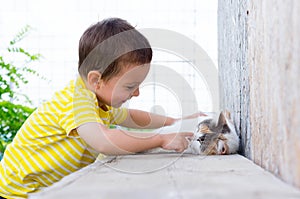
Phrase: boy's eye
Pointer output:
(130, 87)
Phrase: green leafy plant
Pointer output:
(13, 76)
(13, 115)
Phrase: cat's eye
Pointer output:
(201, 139)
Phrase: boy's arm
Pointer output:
(145, 120)
(117, 142)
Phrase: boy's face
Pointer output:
(122, 87)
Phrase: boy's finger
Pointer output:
(188, 134)
(202, 114)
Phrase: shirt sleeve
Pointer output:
(82, 109)
(118, 115)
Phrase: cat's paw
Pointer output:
(195, 147)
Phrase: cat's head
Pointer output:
(217, 138)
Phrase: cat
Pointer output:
(210, 137)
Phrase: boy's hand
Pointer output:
(176, 141)
(195, 115)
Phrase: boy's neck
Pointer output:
(90, 88)
(102, 106)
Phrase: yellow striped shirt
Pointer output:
(47, 146)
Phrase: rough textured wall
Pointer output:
(274, 60)
(261, 80)
(233, 69)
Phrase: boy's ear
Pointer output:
(93, 78)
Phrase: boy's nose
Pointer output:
(136, 92)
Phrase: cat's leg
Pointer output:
(194, 148)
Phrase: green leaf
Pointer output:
(21, 34)
(12, 116)
(13, 74)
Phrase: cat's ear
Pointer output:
(206, 125)
(225, 129)
(222, 119)
(222, 122)
(224, 116)
(203, 128)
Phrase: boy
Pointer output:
(69, 131)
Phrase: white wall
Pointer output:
(59, 24)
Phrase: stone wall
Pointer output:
(259, 67)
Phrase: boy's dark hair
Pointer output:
(109, 45)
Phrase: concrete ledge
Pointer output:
(171, 176)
